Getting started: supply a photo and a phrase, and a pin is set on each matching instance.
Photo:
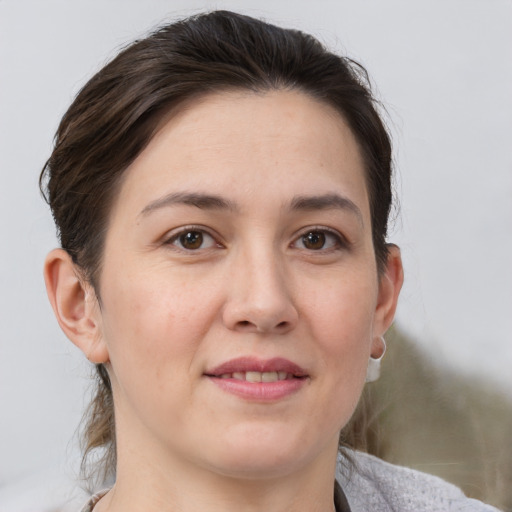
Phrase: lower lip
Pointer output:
(260, 391)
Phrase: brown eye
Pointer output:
(322, 239)
(314, 240)
(191, 240)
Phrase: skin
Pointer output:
(255, 287)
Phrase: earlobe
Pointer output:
(389, 289)
(75, 305)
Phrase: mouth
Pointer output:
(253, 376)
(258, 380)
(252, 369)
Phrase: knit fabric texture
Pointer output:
(371, 484)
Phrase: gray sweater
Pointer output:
(372, 485)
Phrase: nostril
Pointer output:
(248, 325)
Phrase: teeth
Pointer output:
(269, 377)
(257, 376)
(253, 376)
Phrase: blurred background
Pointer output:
(443, 69)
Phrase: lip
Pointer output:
(258, 391)
(253, 364)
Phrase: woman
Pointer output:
(222, 191)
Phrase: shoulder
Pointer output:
(372, 484)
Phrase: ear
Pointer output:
(390, 284)
(75, 305)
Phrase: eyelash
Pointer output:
(340, 242)
(176, 236)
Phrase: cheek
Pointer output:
(344, 333)
(342, 315)
(341, 320)
(153, 328)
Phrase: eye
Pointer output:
(192, 240)
(319, 239)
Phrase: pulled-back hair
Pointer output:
(117, 112)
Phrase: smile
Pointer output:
(258, 376)
(259, 380)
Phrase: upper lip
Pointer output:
(253, 364)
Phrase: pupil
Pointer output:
(314, 240)
(192, 240)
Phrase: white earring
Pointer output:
(373, 370)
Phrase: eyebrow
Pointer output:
(214, 202)
(326, 202)
(202, 201)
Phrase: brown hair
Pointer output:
(115, 115)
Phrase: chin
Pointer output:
(261, 454)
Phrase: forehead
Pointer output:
(231, 142)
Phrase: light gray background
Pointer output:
(444, 71)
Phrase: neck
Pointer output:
(249, 497)
(170, 485)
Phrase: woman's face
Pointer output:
(240, 300)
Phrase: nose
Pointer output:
(260, 296)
